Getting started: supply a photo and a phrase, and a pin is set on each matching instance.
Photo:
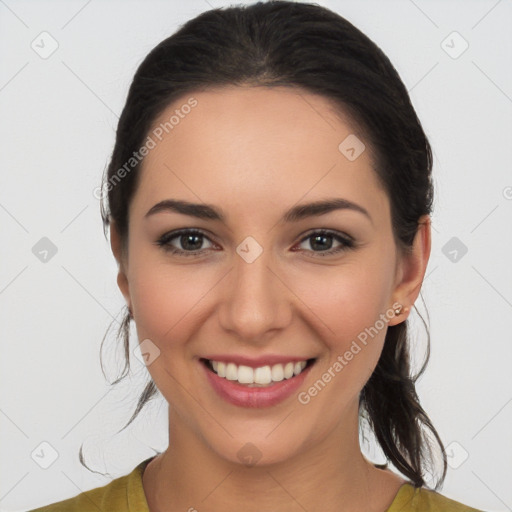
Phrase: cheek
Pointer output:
(346, 300)
(351, 308)
(167, 308)
(166, 298)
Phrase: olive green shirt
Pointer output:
(126, 494)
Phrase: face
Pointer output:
(253, 286)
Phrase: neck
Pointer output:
(330, 476)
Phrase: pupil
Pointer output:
(186, 245)
(322, 238)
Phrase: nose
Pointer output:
(257, 301)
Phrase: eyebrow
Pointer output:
(295, 214)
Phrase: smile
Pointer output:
(258, 385)
(260, 376)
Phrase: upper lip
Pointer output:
(255, 362)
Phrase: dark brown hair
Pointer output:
(281, 43)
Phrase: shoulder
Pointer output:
(123, 494)
(414, 499)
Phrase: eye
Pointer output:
(322, 240)
(190, 240)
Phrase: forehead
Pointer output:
(254, 145)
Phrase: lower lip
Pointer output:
(244, 396)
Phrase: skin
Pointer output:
(255, 152)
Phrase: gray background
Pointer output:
(58, 117)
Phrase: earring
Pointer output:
(398, 310)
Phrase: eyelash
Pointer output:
(163, 242)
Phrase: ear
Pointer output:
(411, 270)
(121, 258)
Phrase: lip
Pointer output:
(255, 362)
(243, 396)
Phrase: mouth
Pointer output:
(261, 376)
(256, 386)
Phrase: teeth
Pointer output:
(288, 370)
(245, 375)
(262, 376)
(277, 373)
(299, 367)
(231, 371)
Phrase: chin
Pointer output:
(257, 453)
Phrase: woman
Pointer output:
(269, 196)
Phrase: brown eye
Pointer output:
(190, 240)
(322, 242)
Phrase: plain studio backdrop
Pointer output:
(65, 72)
